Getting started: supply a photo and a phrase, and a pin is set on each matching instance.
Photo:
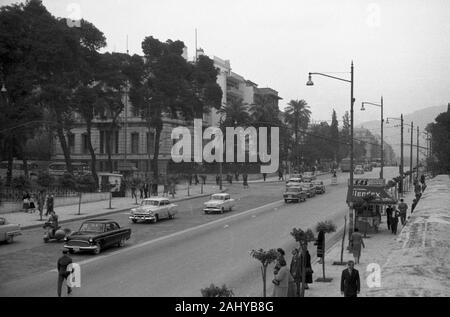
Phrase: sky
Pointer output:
(400, 49)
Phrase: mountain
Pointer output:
(420, 118)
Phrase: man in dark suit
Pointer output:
(350, 284)
(62, 264)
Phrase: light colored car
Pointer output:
(8, 230)
(294, 193)
(308, 176)
(154, 209)
(294, 181)
(359, 169)
(219, 203)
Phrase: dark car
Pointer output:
(294, 193)
(320, 187)
(97, 234)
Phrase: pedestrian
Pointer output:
(320, 244)
(41, 203)
(389, 210)
(305, 262)
(146, 188)
(394, 221)
(402, 207)
(141, 191)
(203, 177)
(133, 191)
(63, 274)
(32, 207)
(26, 201)
(50, 202)
(350, 283)
(295, 270)
(414, 204)
(196, 179)
(264, 176)
(236, 176)
(217, 180)
(356, 241)
(280, 175)
(245, 179)
(166, 189)
(281, 280)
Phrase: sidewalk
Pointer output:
(100, 208)
(415, 262)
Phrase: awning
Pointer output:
(379, 194)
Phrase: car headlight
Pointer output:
(90, 240)
(65, 239)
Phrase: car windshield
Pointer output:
(92, 227)
(294, 189)
(218, 197)
(150, 203)
(295, 180)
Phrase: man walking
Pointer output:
(389, 216)
(403, 207)
(50, 202)
(394, 221)
(61, 265)
(356, 241)
(350, 283)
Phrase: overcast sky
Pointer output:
(400, 48)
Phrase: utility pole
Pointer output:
(417, 154)
(411, 155)
(401, 156)
(382, 140)
(351, 211)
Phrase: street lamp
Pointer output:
(382, 120)
(352, 101)
(401, 150)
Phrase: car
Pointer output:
(97, 234)
(153, 209)
(320, 187)
(8, 230)
(294, 181)
(368, 168)
(219, 203)
(294, 193)
(308, 176)
(309, 188)
(359, 169)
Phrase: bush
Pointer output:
(302, 236)
(326, 226)
(215, 291)
(68, 181)
(20, 183)
(86, 183)
(44, 179)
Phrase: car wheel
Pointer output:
(222, 210)
(134, 220)
(45, 240)
(171, 216)
(98, 248)
(286, 201)
(121, 243)
(71, 251)
(156, 219)
(10, 239)
(231, 207)
(297, 201)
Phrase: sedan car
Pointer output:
(320, 187)
(154, 209)
(294, 193)
(308, 176)
(8, 230)
(97, 234)
(294, 181)
(309, 188)
(219, 203)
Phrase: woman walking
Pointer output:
(357, 242)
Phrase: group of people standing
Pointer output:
(287, 281)
(40, 200)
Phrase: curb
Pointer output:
(112, 212)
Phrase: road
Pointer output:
(179, 257)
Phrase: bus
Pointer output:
(345, 165)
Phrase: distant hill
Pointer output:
(420, 118)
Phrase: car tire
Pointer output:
(286, 201)
(46, 240)
(133, 220)
(98, 248)
(231, 207)
(222, 210)
(121, 243)
(171, 216)
(71, 251)
(10, 239)
(156, 219)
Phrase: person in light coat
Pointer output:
(281, 280)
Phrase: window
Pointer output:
(85, 148)
(150, 142)
(134, 143)
(71, 142)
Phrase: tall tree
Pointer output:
(234, 113)
(440, 143)
(334, 135)
(344, 137)
(297, 116)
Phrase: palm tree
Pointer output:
(234, 113)
(297, 115)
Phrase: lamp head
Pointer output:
(309, 82)
(362, 106)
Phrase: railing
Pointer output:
(13, 195)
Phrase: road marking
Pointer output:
(175, 234)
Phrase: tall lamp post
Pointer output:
(411, 155)
(382, 139)
(400, 190)
(352, 102)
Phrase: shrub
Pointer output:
(20, 183)
(326, 226)
(86, 183)
(68, 181)
(302, 236)
(215, 291)
(44, 179)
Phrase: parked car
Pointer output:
(359, 169)
(309, 188)
(219, 203)
(367, 167)
(308, 176)
(97, 234)
(8, 230)
(294, 193)
(154, 209)
(320, 187)
(294, 181)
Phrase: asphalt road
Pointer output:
(181, 256)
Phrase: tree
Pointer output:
(215, 291)
(322, 228)
(303, 237)
(334, 135)
(344, 137)
(234, 113)
(297, 116)
(440, 143)
(265, 257)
